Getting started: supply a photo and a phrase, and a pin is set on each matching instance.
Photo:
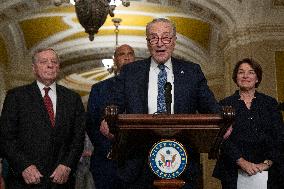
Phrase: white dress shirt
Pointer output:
(153, 85)
(51, 93)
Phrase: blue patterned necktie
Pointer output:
(162, 79)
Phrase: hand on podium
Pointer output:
(228, 133)
(104, 129)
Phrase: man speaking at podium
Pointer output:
(139, 89)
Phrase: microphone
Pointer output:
(168, 96)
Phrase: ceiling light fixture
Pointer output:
(108, 63)
(72, 2)
(92, 14)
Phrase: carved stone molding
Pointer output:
(253, 34)
(13, 10)
(278, 2)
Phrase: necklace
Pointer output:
(247, 98)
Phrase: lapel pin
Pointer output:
(182, 72)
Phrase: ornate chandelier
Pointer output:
(92, 14)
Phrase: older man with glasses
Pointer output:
(140, 90)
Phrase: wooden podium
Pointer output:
(204, 132)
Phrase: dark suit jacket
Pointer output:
(98, 99)
(191, 94)
(27, 136)
(103, 169)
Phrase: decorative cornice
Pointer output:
(278, 2)
(253, 34)
(12, 10)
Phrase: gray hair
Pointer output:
(34, 59)
(156, 20)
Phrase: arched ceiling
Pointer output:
(60, 27)
(38, 23)
(201, 27)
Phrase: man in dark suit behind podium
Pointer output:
(42, 129)
(104, 170)
(137, 86)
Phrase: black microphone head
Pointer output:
(168, 86)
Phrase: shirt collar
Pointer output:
(237, 94)
(168, 64)
(41, 86)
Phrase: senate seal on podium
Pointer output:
(168, 159)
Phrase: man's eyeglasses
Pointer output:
(155, 40)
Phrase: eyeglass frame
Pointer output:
(160, 38)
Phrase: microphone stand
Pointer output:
(168, 96)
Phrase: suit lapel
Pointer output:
(144, 82)
(38, 102)
(178, 72)
(59, 106)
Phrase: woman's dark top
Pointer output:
(255, 135)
